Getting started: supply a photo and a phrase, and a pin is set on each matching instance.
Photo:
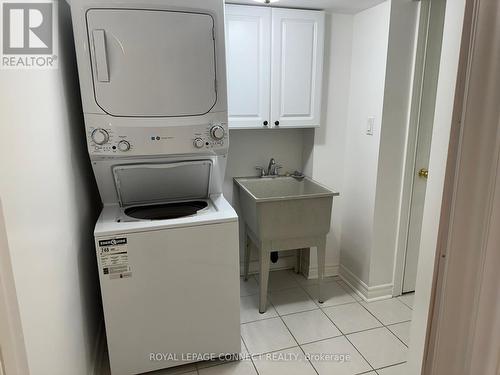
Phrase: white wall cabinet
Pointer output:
(275, 66)
(248, 56)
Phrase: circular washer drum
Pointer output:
(166, 211)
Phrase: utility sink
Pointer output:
(284, 213)
(285, 207)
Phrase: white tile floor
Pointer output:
(374, 335)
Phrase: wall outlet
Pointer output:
(370, 125)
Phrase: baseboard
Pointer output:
(99, 350)
(368, 293)
(284, 262)
(288, 262)
(330, 271)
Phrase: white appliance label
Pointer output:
(114, 258)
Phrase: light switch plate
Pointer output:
(370, 125)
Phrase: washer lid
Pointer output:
(152, 63)
(149, 183)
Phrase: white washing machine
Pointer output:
(152, 78)
(169, 282)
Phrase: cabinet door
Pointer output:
(248, 50)
(297, 67)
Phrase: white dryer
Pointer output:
(153, 83)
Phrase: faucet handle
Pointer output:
(262, 170)
(277, 169)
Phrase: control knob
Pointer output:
(217, 132)
(198, 143)
(123, 145)
(99, 136)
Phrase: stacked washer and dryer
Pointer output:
(153, 85)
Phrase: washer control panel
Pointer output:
(99, 136)
(130, 141)
(217, 132)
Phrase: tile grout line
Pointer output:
(286, 326)
(387, 326)
(297, 341)
(369, 364)
(251, 358)
(278, 350)
(394, 365)
(354, 346)
(383, 326)
(299, 346)
(404, 303)
(345, 335)
(397, 335)
(298, 312)
(342, 333)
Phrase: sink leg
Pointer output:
(247, 256)
(298, 257)
(264, 263)
(321, 249)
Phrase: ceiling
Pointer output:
(341, 6)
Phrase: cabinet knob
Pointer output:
(266, 123)
(276, 123)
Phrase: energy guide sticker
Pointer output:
(113, 253)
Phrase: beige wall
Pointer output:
(50, 206)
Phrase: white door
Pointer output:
(152, 62)
(425, 122)
(297, 67)
(248, 56)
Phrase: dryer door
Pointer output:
(152, 63)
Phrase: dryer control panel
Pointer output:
(149, 141)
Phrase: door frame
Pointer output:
(425, 33)
(457, 305)
(464, 307)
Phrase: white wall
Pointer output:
(251, 148)
(325, 147)
(393, 139)
(12, 349)
(381, 85)
(366, 95)
(50, 206)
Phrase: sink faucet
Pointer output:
(272, 169)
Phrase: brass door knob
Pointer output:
(424, 173)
